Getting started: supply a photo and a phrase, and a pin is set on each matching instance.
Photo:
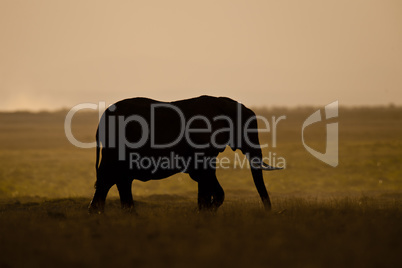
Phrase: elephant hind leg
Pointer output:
(126, 196)
(104, 182)
(97, 204)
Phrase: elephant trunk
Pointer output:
(257, 166)
(250, 146)
(259, 184)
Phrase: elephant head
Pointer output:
(247, 141)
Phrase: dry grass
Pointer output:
(358, 232)
(323, 216)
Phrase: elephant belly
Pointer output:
(147, 175)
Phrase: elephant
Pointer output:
(134, 134)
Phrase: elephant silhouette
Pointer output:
(185, 134)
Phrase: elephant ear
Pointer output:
(228, 107)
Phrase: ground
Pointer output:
(168, 231)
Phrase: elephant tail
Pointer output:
(97, 151)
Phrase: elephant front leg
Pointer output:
(218, 195)
(210, 192)
(126, 196)
(204, 196)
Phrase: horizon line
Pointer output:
(253, 107)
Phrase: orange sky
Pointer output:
(57, 54)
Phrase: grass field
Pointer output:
(322, 216)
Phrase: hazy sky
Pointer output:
(57, 54)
